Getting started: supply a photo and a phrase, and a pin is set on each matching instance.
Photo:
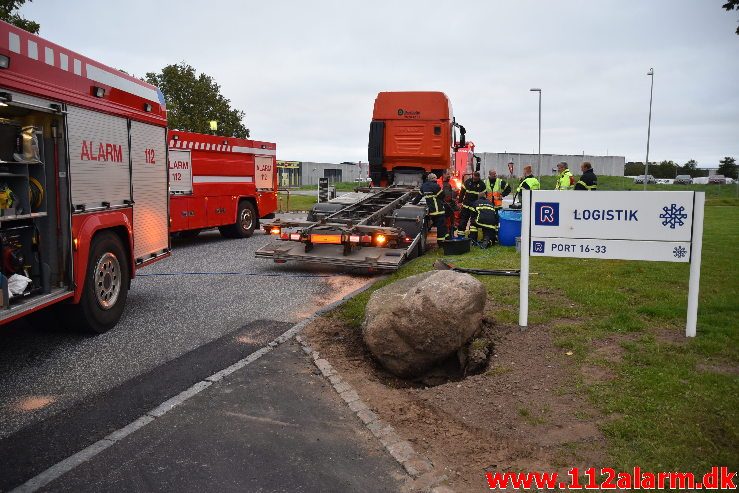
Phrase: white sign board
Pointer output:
(180, 172)
(655, 226)
(612, 225)
(264, 172)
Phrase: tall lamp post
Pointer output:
(538, 170)
(649, 127)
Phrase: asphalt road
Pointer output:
(209, 287)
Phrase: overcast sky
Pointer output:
(307, 73)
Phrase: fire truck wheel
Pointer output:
(246, 221)
(106, 285)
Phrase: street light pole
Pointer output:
(649, 127)
(538, 170)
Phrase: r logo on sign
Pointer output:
(546, 214)
(538, 246)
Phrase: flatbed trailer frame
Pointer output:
(379, 232)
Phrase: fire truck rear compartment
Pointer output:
(34, 236)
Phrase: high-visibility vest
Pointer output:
(470, 194)
(565, 181)
(532, 182)
(495, 191)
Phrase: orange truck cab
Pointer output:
(413, 134)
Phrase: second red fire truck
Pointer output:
(220, 182)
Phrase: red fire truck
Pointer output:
(83, 182)
(222, 182)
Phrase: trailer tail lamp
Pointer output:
(284, 236)
(366, 240)
(380, 239)
(275, 230)
(408, 239)
(355, 239)
(295, 236)
(326, 239)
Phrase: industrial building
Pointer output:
(602, 165)
(298, 173)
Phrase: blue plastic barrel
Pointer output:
(510, 227)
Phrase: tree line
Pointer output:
(670, 169)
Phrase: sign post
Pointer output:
(653, 226)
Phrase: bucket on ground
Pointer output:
(455, 246)
(510, 227)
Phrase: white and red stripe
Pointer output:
(35, 48)
(203, 146)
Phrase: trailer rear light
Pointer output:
(4, 61)
(274, 230)
(355, 239)
(284, 236)
(366, 239)
(408, 239)
(380, 239)
(326, 239)
(295, 236)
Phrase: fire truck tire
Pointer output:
(246, 221)
(106, 286)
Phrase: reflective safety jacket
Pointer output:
(487, 215)
(565, 181)
(471, 191)
(496, 191)
(432, 192)
(529, 183)
(588, 181)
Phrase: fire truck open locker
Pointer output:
(83, 182)
(222, 182)
(411, 134)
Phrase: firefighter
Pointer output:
(432, 192)
(450, 202)
(486, 218)
(588, 181)
(496, 188)
(529, 181)
(565, 180)
(472, 189)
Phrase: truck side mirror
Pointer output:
(477, 163)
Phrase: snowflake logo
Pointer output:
(679, 252)
(673, 216)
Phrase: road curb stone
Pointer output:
(415, 465)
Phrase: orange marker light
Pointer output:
(275, 230)
(380, 239)
(76, 243)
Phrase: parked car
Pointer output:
(640, 179)
(717, 180)
(683, 180)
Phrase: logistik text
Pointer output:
(606, 215)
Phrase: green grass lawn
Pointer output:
(673, 402)
(295, 202)
(343, 186)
